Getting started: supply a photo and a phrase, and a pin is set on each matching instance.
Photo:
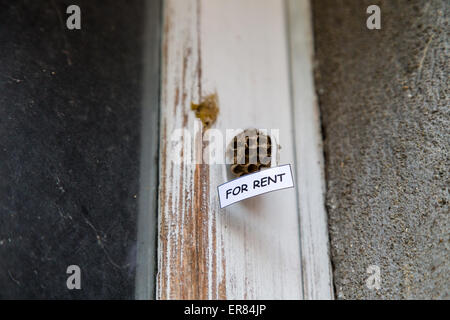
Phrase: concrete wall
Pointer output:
(384, 101)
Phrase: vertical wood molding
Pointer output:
(317, 273)
(250, 250)
(148, 195)
(189, 253)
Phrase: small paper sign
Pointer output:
(254, 184)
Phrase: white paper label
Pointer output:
(254, 184)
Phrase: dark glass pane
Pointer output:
(70, 136)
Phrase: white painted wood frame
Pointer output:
(316, 264)
(274, 246)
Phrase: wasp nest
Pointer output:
(250, 151)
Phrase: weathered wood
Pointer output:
(250, 250)
(317, 274)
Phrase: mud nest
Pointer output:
(207, 110)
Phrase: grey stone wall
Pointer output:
(385, 110)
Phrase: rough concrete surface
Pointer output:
(385, 107)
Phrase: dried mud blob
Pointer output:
(207, 110)
(250, 151)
